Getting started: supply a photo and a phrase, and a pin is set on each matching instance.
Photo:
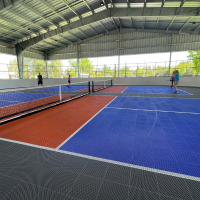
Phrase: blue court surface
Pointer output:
(64, 89)
(9, 99)
(152, 90)
(155, 103)
(166, 141)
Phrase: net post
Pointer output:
(89, 86)
(111, 82)
(93, 86)
(60, 94)
(104, 84)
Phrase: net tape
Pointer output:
(100, 85)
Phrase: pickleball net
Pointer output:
(14, 102)
(100, 85)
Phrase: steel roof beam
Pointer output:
(17, 32)
(58, 41)
(181, 5)
(90, 8)
(99, 16)
(107, 7)
(128, 3)
(74, 36)
(84, 40)
(163, 2)
(83, 32)
(144, 7)
(185, 24)
(50, 7)
(73, 10)
(93, 29)
(170, 23)
(157, 22)
(105, 4)
(120, 23)
(104, 26)
(143, 22)
(37, 13)
(18, 25)
(53, 10)
(132, 23)
(9, 4)
(87, 4)
(115, 25)
(196, 28)
(26, 19)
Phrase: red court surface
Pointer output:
(114, 89)
(51, 127)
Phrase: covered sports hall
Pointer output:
(117, 132)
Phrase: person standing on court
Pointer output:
(176, 80)
(40, 80)
(172, 78)
(69, 81)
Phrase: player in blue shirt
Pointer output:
(176, 81)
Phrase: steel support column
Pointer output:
(19, 50)
(170, 59)
(46, 62)
(78, 61)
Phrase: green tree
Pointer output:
(32, 67)
(150, 71)
(140, 71)
(85, 67)
(107, 72)
(14, 68)
(161, 71)
(195, 57)
(125, 72)
(55, 69)
(186, 68)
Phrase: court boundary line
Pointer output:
(142, 96)
(185, 91)
(108, 161)
(83, 125)
(124, 89)
(155, 110)
(10, 101)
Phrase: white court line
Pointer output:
(185, 91)
(155, 110)
(125, 89)
(98, 94)
(108, 161)
(83, 125)
(11, 101)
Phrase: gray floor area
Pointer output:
(30, 173)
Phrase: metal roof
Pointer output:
(45, 25)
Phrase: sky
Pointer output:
(143, 58)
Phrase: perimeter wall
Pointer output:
(157, 81)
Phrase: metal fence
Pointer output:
(151, 69)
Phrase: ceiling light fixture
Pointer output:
(102, 4)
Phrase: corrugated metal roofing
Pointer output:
(29, 19)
